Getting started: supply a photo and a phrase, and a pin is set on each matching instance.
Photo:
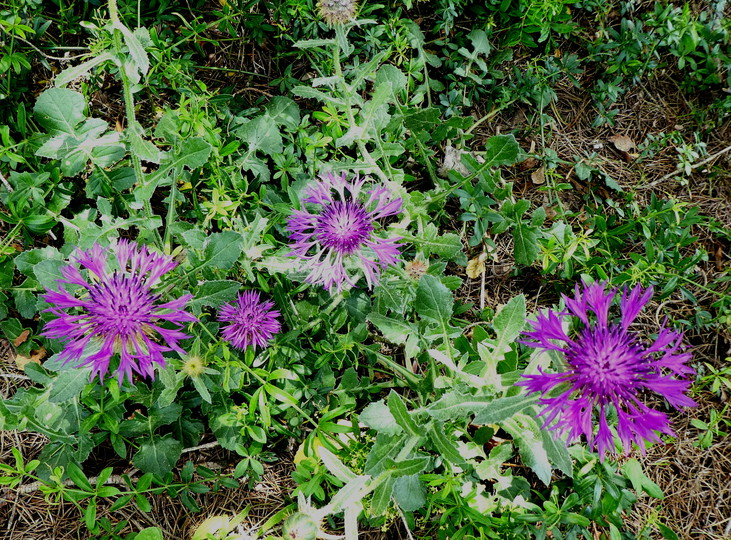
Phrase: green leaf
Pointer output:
(26, 261)
(351, 493)
(335, 466)
(409, 493)
(158, 455)
(640, 482)
(525, 243)
(68, 384)
(312, 43)
(312, 93)
(508, 325)
(120, 503)
(501, 150)
(447, 246)
(77, 476)
(136, 49)
(378, 416)
(557, 452)
(409, 467)
(444, 446)
(666, 532)
(25, 298)
(226, 428)
(382, 498)
(103, 476)
(402, 416)
(284, 112)
(90, 514)
(222, 250)
(74, 72)
(193, 153)
(433, 300)
(143, 503)
(214, 294)
(143, 148)
(60, 110)
(527, 437)
(202, 389)
(75, 139)
(261, 134)
(491, 468)
(48, 272)
(392, 75)
(503, 408)
(487, 409)
(394, 330)
(150, 533)
(157, 416)
(383, 452)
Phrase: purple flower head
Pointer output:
(342, 231)
(251, 321)
(608, 365)
(117, 310)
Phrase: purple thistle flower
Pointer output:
(608, 365)
(118, 310)
(342, 231)
(251, 321)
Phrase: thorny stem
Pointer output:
(171, 213)
(129, 106)
(340, 31)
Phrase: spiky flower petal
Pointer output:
(117, 309)
(341, 231)
(250, 321)
(607, 367)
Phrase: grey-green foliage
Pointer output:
(74, 139)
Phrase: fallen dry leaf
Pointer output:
(719, 258)
(538, 176)
(35, 357)
(476, 266)
(528, 164)
(622, 143)
(21, 338)
(453, 161)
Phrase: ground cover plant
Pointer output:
(323, 269)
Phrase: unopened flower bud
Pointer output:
(300, 526)
(337, 11)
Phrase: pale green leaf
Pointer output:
(74, 72)
(402, 416)
(378, 416)
(394, 330)
(527, 438)
(214, 294)
(158, 455)
(501, 150)
(60, 110)
(433, 300)
(68, 384)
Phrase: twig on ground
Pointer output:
(206, 446)
(694, 166)
(6, 183)
(14, 376)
